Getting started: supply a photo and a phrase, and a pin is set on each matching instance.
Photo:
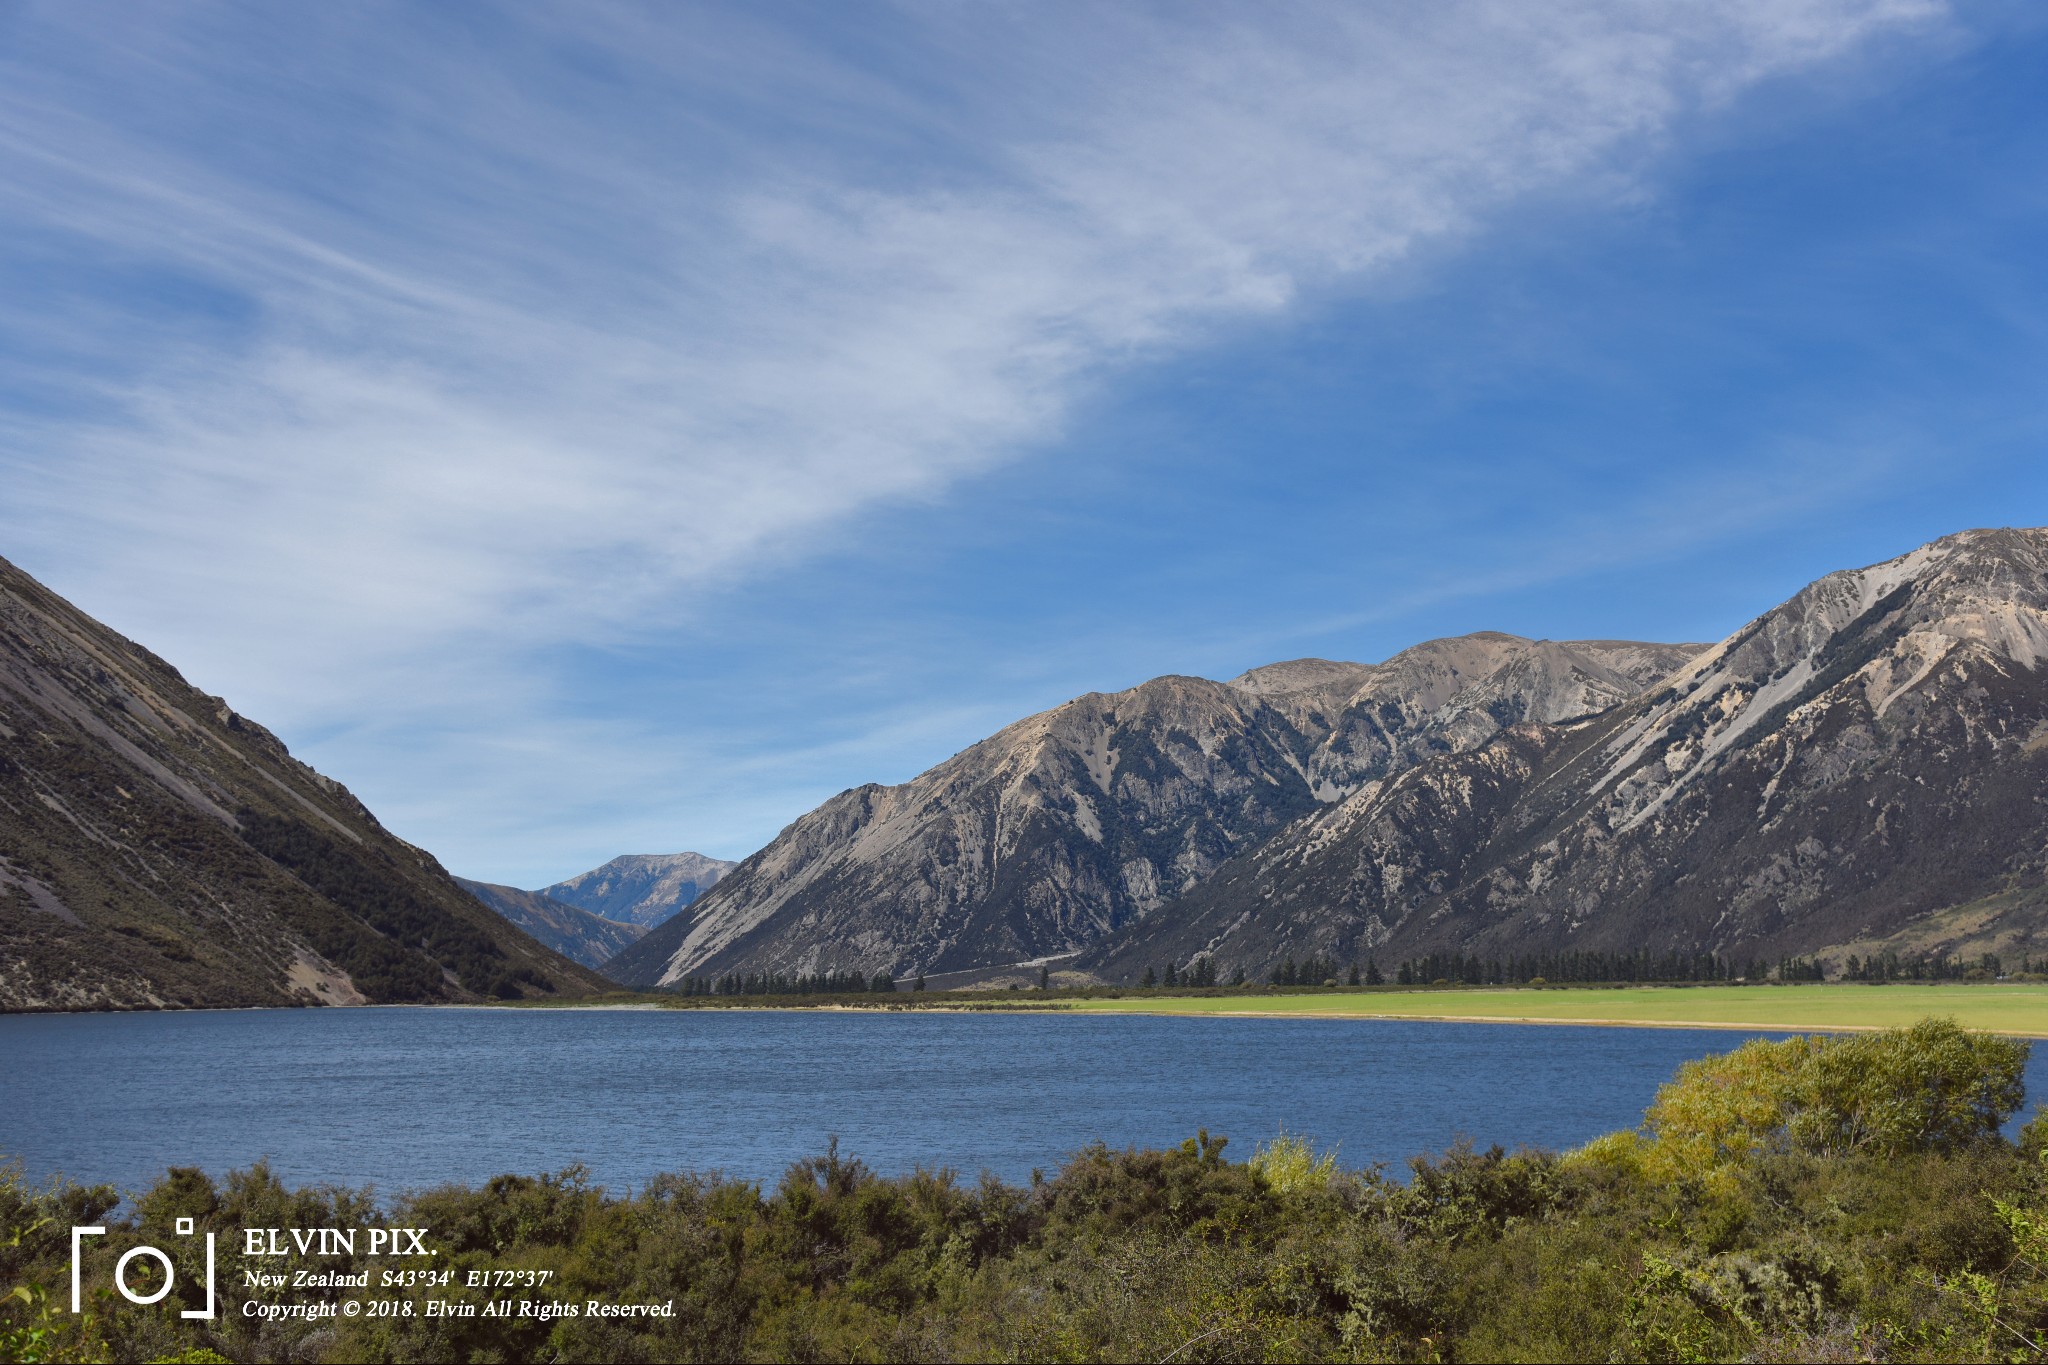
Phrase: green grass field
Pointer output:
(2013, 1009)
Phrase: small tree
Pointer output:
(1291, 1165)
(1931, 1087)
(1149, 979)
(1044, 977)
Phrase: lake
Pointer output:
(404, 1098)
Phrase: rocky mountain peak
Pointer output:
(1861, 763)
(1300, 675)
(641, 888)
(1069, 824)
(1884, 630)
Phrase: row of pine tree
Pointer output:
(1446, 969)
(776, 983)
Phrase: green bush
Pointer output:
(1857, 1203)
(1931, 1087)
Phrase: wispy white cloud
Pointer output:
(541, 328)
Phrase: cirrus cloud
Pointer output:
(382, 351)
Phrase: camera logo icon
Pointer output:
(147, 1253)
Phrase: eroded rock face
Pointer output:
(1070, 825)
(1871, 751)
(156, 849)
(641, 888)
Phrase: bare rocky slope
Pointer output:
(1864, 766)
(156, 849)
(1069, 826)
(641, 888)
(570, 930)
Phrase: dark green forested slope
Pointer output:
(1808, 1200)
(570, 930)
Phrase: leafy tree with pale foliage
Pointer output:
(1291, 1165)
(1929, 1088)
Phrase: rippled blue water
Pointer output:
(403, 1098)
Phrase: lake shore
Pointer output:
(2015, 1009)
(2018, 1010)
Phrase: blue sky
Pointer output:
(607, 429)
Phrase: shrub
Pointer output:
(1930, 1087)
(1290, 1165)
(1863, 1208)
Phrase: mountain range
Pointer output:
(573, 932)
(1864, 766)
(158, 849)
(593, 917)
(1070, 826)
(642, 888)
(1870, 754)
(1861, 769)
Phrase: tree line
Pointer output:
(1589, 967)
(1200, 972)
(1889, 966)
(1461, 969)
(779, 983)
(1586, 966)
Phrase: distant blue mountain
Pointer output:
(641, 888)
